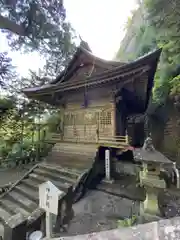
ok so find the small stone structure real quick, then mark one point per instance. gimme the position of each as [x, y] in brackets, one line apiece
[152, 164]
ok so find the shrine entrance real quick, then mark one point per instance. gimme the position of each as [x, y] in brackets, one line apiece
[87, 124]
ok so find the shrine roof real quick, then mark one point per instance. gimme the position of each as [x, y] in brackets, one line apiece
[114, 70]
[89, 57]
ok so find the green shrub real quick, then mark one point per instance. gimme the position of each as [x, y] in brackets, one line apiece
[127, 222]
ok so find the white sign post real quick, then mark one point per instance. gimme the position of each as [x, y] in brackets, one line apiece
[49, 196]
[107, 165]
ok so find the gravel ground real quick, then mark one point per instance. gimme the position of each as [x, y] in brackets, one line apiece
[100, 211]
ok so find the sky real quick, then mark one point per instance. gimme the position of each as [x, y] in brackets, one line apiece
[98, 22]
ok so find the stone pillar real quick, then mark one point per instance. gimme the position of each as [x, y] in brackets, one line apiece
[108, 166]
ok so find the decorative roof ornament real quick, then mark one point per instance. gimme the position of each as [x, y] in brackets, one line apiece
[148, 145]
[85, 45]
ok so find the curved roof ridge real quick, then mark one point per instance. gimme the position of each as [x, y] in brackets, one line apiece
[153, 56]
[89, 53]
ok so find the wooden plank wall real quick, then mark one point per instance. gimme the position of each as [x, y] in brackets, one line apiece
[88, 122]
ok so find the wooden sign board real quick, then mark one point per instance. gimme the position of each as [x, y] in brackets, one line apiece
[49, 196]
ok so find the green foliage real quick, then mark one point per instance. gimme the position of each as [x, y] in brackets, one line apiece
[7, 70]
[161, 29]
[145, 40]
[21, 138]
[5, 105]
[127, 222]
[37, 24]
[4, 150]
[175, 86]
[164, 18]
[31, 26]
[53, 122]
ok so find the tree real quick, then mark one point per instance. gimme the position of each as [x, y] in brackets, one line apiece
[36, 25]
[164, 17]
[5, 105]
[7, 70]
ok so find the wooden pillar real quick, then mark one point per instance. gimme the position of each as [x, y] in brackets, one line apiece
[113, 118]
[120, 122]
[121, 116]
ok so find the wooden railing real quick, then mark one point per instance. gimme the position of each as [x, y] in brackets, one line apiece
[114, 141]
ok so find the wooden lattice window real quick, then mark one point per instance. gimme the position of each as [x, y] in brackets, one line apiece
[105, 118]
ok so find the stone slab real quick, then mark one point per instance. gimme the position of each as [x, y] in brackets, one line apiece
[162, 230]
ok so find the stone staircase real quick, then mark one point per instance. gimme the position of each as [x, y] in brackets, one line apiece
[70, 167]
[72, 155]
[22, 198]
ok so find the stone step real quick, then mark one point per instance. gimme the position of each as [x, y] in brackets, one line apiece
[4, 215]
[13, 207]
[73, 165]
[61, 171]
[62, 159]
[69, 155]
[41, 179]
[54, 176]
[75, 148]
[23, 197]
[27, 192]
[22, 201]
[6, 207]
[31, 183]
[74, 161]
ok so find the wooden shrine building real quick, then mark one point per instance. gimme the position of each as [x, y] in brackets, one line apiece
[97, 95]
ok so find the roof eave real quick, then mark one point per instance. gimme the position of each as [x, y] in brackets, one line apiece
[151, 59]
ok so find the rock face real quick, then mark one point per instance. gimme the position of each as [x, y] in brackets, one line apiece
[128, 45]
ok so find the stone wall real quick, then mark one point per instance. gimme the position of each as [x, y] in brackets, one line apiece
[166, 137]
[171, 141]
